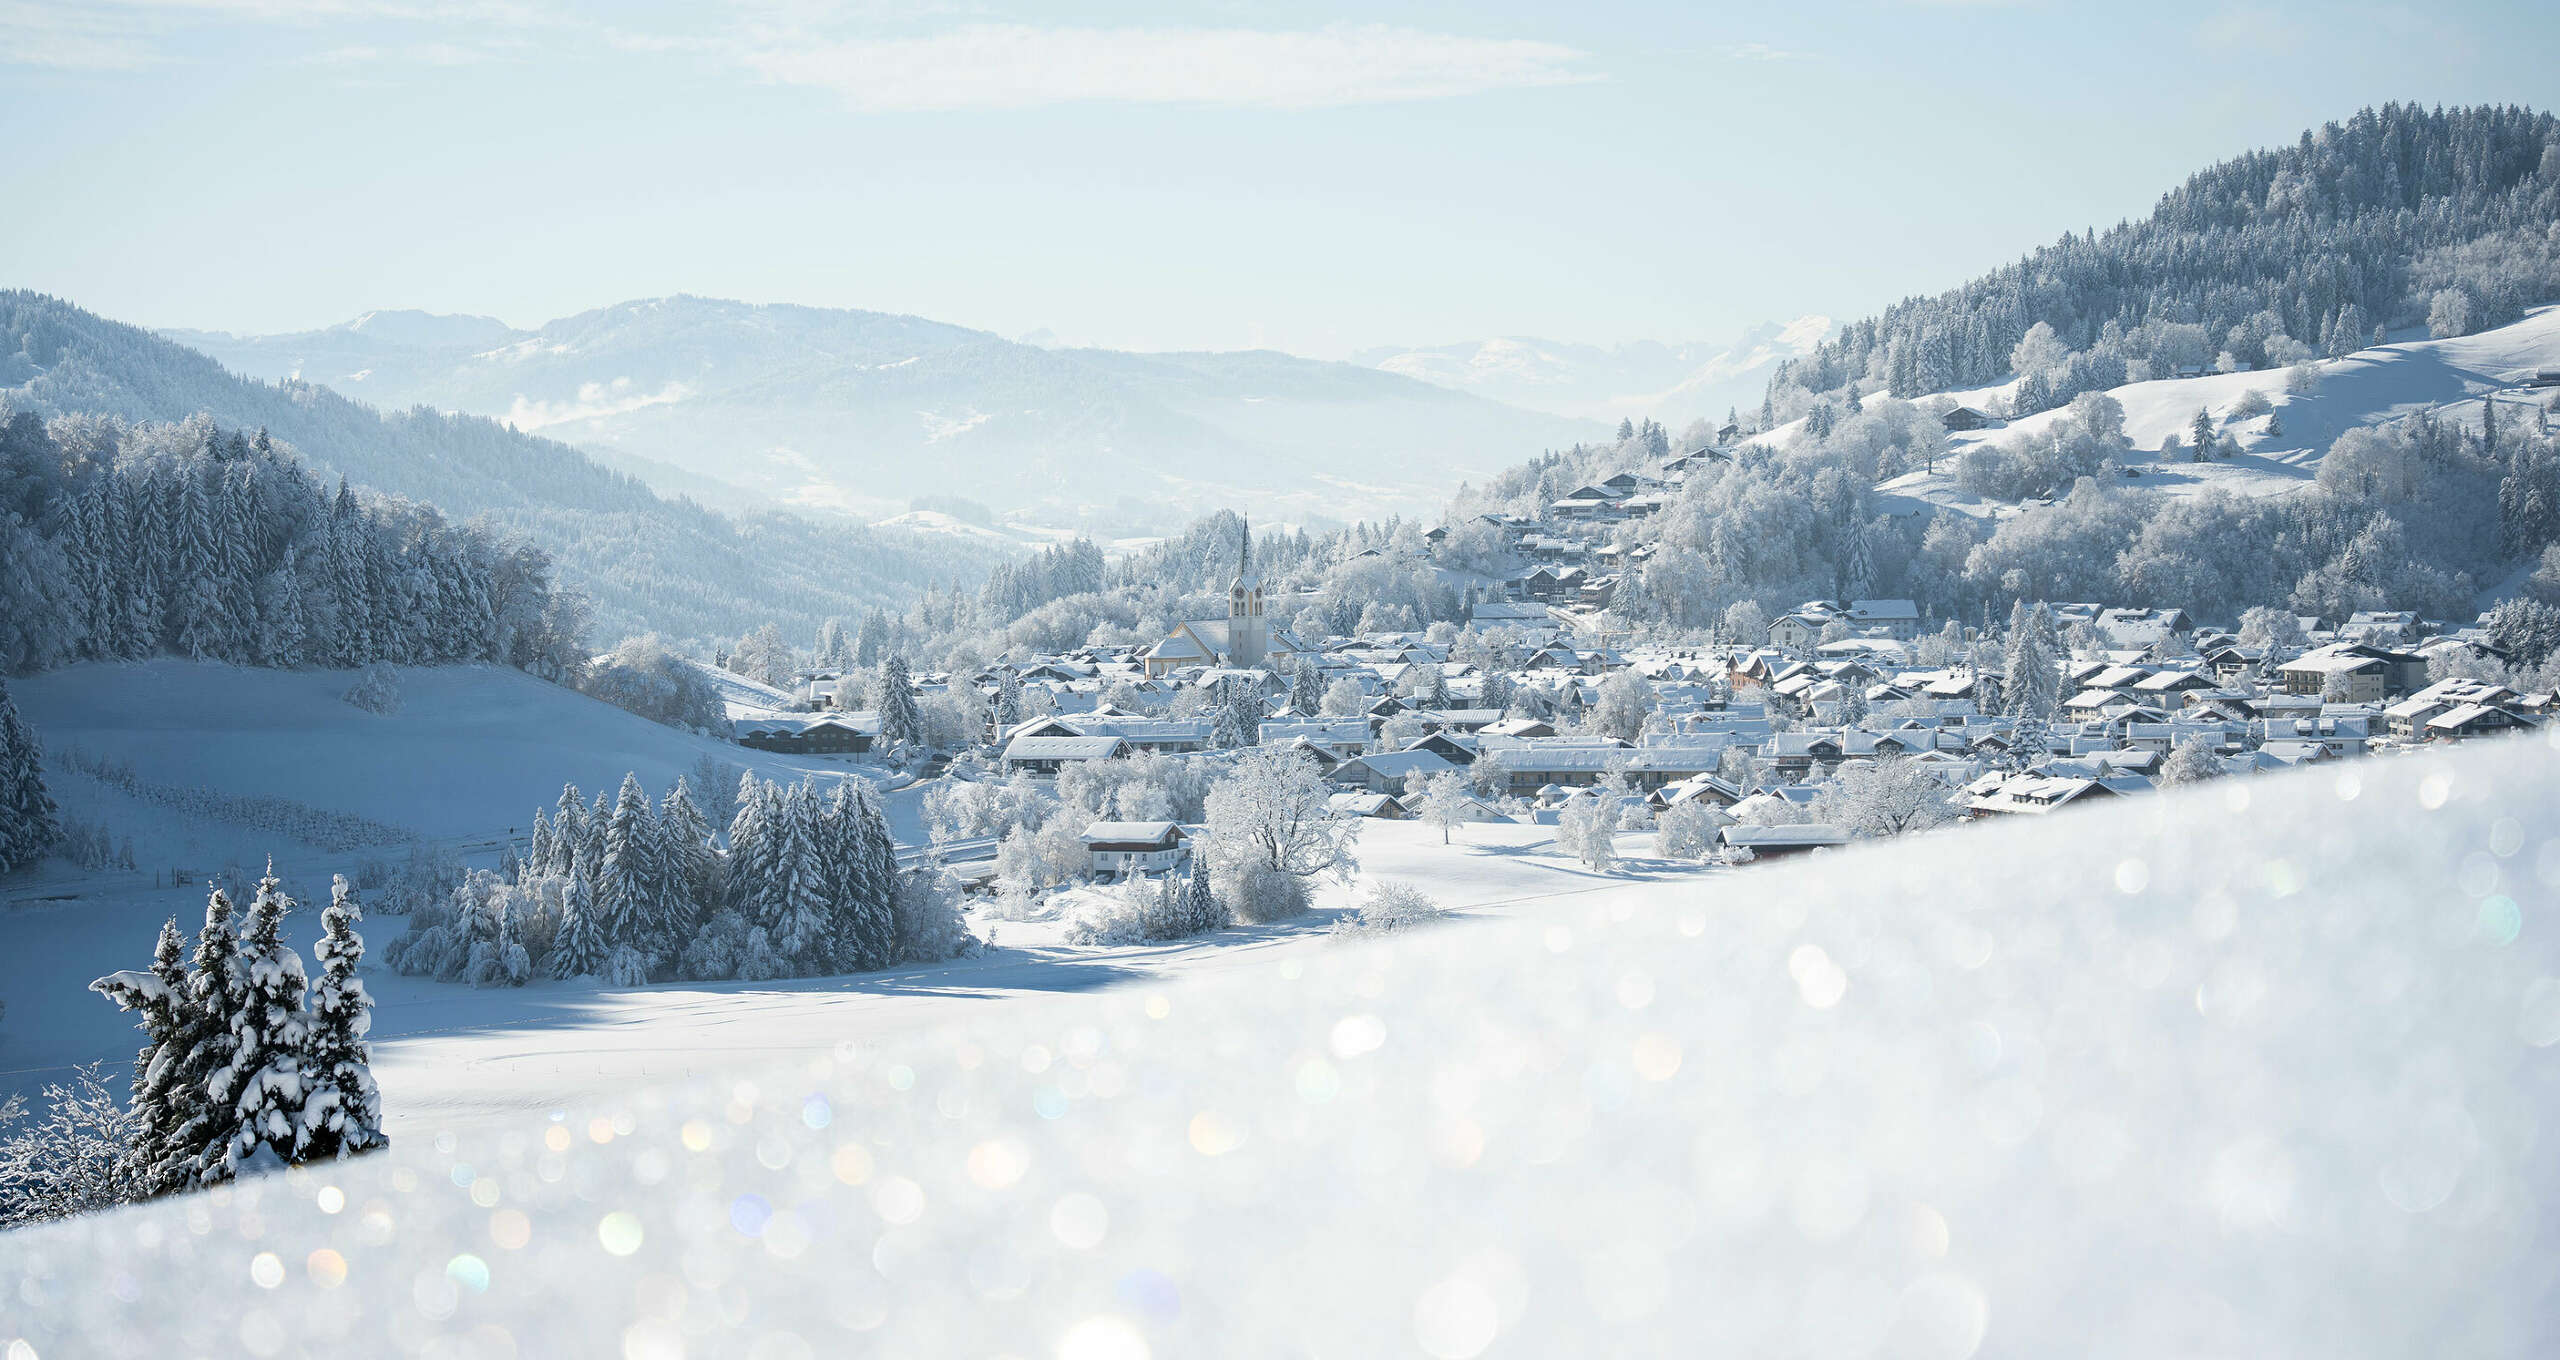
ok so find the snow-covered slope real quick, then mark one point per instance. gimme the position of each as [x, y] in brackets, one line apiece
[472, 751]
[2366, 388]
[2265, 1068]
[1671, 383]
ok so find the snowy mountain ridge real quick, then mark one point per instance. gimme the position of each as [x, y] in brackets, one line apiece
[861, 411]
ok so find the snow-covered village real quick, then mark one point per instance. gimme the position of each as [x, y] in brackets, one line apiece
[1177, 819]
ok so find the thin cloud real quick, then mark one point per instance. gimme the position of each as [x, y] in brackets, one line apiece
[1012, 66]
[124, 35]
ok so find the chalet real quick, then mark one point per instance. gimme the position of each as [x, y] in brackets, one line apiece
[1047, 755]
[2469, 720]
[1957, 418]
[1783, 842]
[1898, 619]
[2035, 794]
[1796, 632]
[1387, 771]
[1386, 807]
[826, 734]
[1135, 847]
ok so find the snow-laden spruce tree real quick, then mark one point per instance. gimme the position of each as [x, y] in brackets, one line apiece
[1306, 689]
[2031, 683]
[1201, 909]
[691, 860]
[162, 1105]
[341, 1107]
[901, 723]
[859, 867]
[568, 830]
[1008, 706]
[633, 873]
[2192, 761]
[578, 947]
[1238, 714]
[791, 904]
[1270, 827]
[202, 1052]
[29, 823]
[264, 1081]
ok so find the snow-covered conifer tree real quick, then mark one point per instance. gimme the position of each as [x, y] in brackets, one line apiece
[203, 1049]
[568, 830]
[1239, 715]
[901, 722]
[29, 824]
[1306, 689]
[792, 907]
[579, 947]
[686, 835]
[632, 874]
[341, 1108]
[264, 1082]
[860, 867]
[1201, 909]
[162, 1108]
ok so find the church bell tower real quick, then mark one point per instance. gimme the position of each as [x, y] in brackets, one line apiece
[1248, 637]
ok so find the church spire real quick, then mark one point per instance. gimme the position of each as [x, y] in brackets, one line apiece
[1244, 558]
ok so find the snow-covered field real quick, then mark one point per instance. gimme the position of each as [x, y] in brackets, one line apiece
[2265, 1069]
[2369, 387]
[471, 753]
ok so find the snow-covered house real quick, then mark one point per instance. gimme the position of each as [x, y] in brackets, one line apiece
[1135, 847]
[1047, 755]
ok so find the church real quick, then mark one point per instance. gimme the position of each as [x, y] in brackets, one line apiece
[1244, 639]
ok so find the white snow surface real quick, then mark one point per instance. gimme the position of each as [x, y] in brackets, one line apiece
[473, 751]
[2264, 1068]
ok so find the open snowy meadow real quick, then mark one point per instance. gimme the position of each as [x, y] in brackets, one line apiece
[2151, 1079]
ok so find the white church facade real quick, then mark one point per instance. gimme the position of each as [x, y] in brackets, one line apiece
[1243, 640]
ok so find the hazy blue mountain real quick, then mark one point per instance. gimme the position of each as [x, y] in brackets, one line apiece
[863, 410]
[1643, 379]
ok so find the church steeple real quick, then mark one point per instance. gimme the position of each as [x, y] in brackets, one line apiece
[1248, 638]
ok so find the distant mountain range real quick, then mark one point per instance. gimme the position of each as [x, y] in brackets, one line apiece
[648, 561]
[1674, 384]
[861, 411]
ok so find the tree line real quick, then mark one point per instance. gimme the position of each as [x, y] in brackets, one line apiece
[122, 543]
[629, 891]
[2398, 216]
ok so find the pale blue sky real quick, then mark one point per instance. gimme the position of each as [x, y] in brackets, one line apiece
[1310, 177]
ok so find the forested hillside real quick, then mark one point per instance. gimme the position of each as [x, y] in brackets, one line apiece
[2400, 216]
[646, 562]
